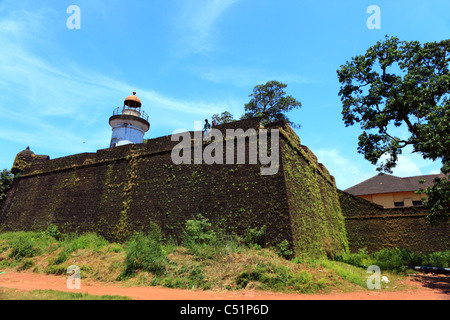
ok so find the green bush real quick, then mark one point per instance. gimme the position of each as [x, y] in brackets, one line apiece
[204, 242]
[56, 270]
[187, 277]
[23, 246]
[53, 232]
[144, 252]
[72, 242]
[199, 231]
[283, 249]
[27, 264]
[437, 259]
[280, 278]
[255, 237]
[155, 233]
[86, 241]
[396, 259]
[360, 259]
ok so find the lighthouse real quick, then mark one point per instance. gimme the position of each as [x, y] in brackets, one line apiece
[129, 123]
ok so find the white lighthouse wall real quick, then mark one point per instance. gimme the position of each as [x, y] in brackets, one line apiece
[126, 133]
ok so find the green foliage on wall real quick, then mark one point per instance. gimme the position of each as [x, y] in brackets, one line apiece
[316, 218]
[370, 226]
[118, 191]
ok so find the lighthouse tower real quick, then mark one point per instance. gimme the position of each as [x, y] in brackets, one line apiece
[129, 123]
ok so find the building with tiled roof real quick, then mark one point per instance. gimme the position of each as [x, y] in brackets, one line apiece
[393, 192]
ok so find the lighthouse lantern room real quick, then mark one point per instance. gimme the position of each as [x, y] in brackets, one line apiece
[129, 123]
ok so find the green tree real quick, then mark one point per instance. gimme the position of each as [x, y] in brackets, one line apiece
[224, 117]
[270, 102]
[6, 179]
[400, 83]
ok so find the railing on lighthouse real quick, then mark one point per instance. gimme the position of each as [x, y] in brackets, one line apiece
[132, 112]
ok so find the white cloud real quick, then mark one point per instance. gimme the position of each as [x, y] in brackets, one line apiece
[434, 171]
[195, 24]
[346, 171]
[246, 76]
[405, 167]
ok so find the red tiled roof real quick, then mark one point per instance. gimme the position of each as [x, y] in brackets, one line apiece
[385, 183]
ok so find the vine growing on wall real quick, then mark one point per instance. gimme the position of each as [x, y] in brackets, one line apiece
[123, 229]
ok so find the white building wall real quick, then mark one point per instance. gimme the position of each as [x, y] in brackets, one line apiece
[126, 132]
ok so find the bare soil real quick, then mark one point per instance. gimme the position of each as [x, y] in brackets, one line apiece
[420, 287]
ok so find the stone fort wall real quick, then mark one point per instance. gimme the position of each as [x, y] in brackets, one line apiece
[372, 227]
[117, 191]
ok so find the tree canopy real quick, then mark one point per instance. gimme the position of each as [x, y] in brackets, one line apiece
[402, 84]
[271, 103]
[224, 117]
[6, 179]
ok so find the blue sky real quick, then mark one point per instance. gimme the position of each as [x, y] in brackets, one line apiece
[189, 59]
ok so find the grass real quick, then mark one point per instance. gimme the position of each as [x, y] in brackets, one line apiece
[396, 259]
[41, 253]
[144, 252]
[12, 294]
[206, 259]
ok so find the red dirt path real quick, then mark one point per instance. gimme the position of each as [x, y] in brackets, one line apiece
[427, 287]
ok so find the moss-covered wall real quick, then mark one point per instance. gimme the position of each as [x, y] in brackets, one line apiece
[119, 190]
[372, 227]
[317, 222]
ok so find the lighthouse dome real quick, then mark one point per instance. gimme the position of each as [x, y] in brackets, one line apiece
[132, 101]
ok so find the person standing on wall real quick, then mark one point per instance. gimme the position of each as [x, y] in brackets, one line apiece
[206, 129]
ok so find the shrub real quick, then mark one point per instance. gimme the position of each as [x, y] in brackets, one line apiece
[27, 264]
[154, 232]
[283, 249]
[23, 246]
[56, 270]
[437, 259]
[273, 277]
[203, 242]
[73, 242]
[53, 232]
[389, 259]
[360, 259]
[199, 231]
[144, 252]
[396, 259]
[187, 277]
[87, 241]
[115, 247]
[255, 237]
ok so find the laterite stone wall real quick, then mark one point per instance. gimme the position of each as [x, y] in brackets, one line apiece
[317, 223]
[372, 227]
[117, 191]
